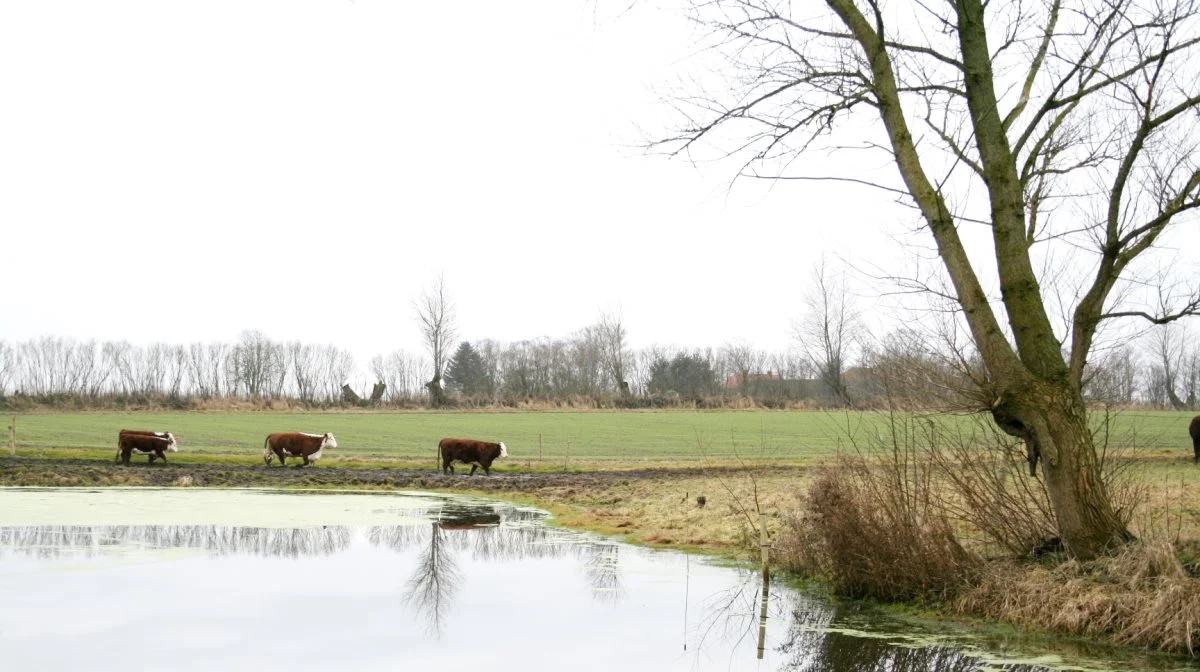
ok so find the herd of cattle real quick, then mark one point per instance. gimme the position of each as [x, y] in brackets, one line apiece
[309, 447]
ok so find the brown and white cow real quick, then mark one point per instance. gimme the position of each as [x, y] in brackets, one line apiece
[154, 444]
[469, 451]
[296, 444]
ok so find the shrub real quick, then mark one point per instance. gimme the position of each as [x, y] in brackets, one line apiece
[873, 529]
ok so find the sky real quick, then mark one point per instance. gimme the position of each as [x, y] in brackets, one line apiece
[181, 172]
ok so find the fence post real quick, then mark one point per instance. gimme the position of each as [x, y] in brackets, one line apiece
[12, 438]
[766, 582]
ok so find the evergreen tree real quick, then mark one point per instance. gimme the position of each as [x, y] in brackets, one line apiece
[466, 373]
[690, 376]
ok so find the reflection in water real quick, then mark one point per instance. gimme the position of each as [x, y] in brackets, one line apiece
[489, 532]
[762, 614]
[450, 545]
[839, 652]
[51, 541]
[433, 583]
[814, 643]
[817, 641]
[498, 533]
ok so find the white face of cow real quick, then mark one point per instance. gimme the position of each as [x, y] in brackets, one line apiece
[329, 441]
[503, 450]
[172, 447]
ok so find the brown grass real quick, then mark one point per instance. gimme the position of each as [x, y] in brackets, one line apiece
[1142, 597]
[875, 536]
[663, 511]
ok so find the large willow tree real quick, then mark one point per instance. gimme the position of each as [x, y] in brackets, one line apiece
[1068, 122]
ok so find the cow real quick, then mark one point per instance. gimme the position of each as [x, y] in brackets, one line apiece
[468, 451]
[1194, 430]
[154, 444]
[296, 444]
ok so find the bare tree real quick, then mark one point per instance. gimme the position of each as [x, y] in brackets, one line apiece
[490, 353]
[258, 363]
[302, 360]
[1176, 366]
[435, 317]
[1112, 377]
[8, 367]
[176, 369]
[614, 349]
[744, 363]
[1076, 118]
[400, 372]
[335, 367]
[197, 367]
[829, 330]
[154, 372]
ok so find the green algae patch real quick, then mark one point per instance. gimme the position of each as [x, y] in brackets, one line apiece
[201, 506]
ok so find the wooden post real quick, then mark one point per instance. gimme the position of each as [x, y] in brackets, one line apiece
[567, 461]
[766, 583]
[12, 437]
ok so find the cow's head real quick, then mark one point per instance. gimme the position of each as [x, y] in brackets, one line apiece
[503, 450]
[328, 441]
[172, 446]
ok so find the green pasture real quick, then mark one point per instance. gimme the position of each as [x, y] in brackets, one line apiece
[676, 435]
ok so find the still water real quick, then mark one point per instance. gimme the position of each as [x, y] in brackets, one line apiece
[258, 580]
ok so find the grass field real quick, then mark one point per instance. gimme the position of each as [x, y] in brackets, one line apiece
[538, 437]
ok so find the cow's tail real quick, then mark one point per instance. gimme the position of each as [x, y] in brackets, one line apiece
[267, 451]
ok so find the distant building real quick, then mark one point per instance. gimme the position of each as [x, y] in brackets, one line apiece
[735, 381]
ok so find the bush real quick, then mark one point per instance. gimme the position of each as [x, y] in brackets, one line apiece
[872, 528]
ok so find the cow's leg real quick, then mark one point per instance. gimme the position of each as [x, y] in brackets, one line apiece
[306, 461]
[1196, 450]
[151, 458]
[486, 470]
[162, 456]
[474, 466]
[125, 454]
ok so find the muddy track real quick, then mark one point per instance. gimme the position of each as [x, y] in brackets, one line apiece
[79, 472]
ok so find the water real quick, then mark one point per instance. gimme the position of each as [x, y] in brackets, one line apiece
[258, 580]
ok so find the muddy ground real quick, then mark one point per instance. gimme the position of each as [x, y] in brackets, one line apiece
[85, 472]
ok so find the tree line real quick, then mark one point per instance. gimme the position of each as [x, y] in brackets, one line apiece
[594, 366]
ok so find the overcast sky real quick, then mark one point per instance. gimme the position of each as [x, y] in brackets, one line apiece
[183, 171]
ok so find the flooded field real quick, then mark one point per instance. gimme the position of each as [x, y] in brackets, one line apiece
[242, 579]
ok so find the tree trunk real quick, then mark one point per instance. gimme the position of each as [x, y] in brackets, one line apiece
[1052, 420]
[437, 396]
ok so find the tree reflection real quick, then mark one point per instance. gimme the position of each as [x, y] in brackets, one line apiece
[51, 541]
[434, 581]
[490, 533]
[602, 567]
[738, 614]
